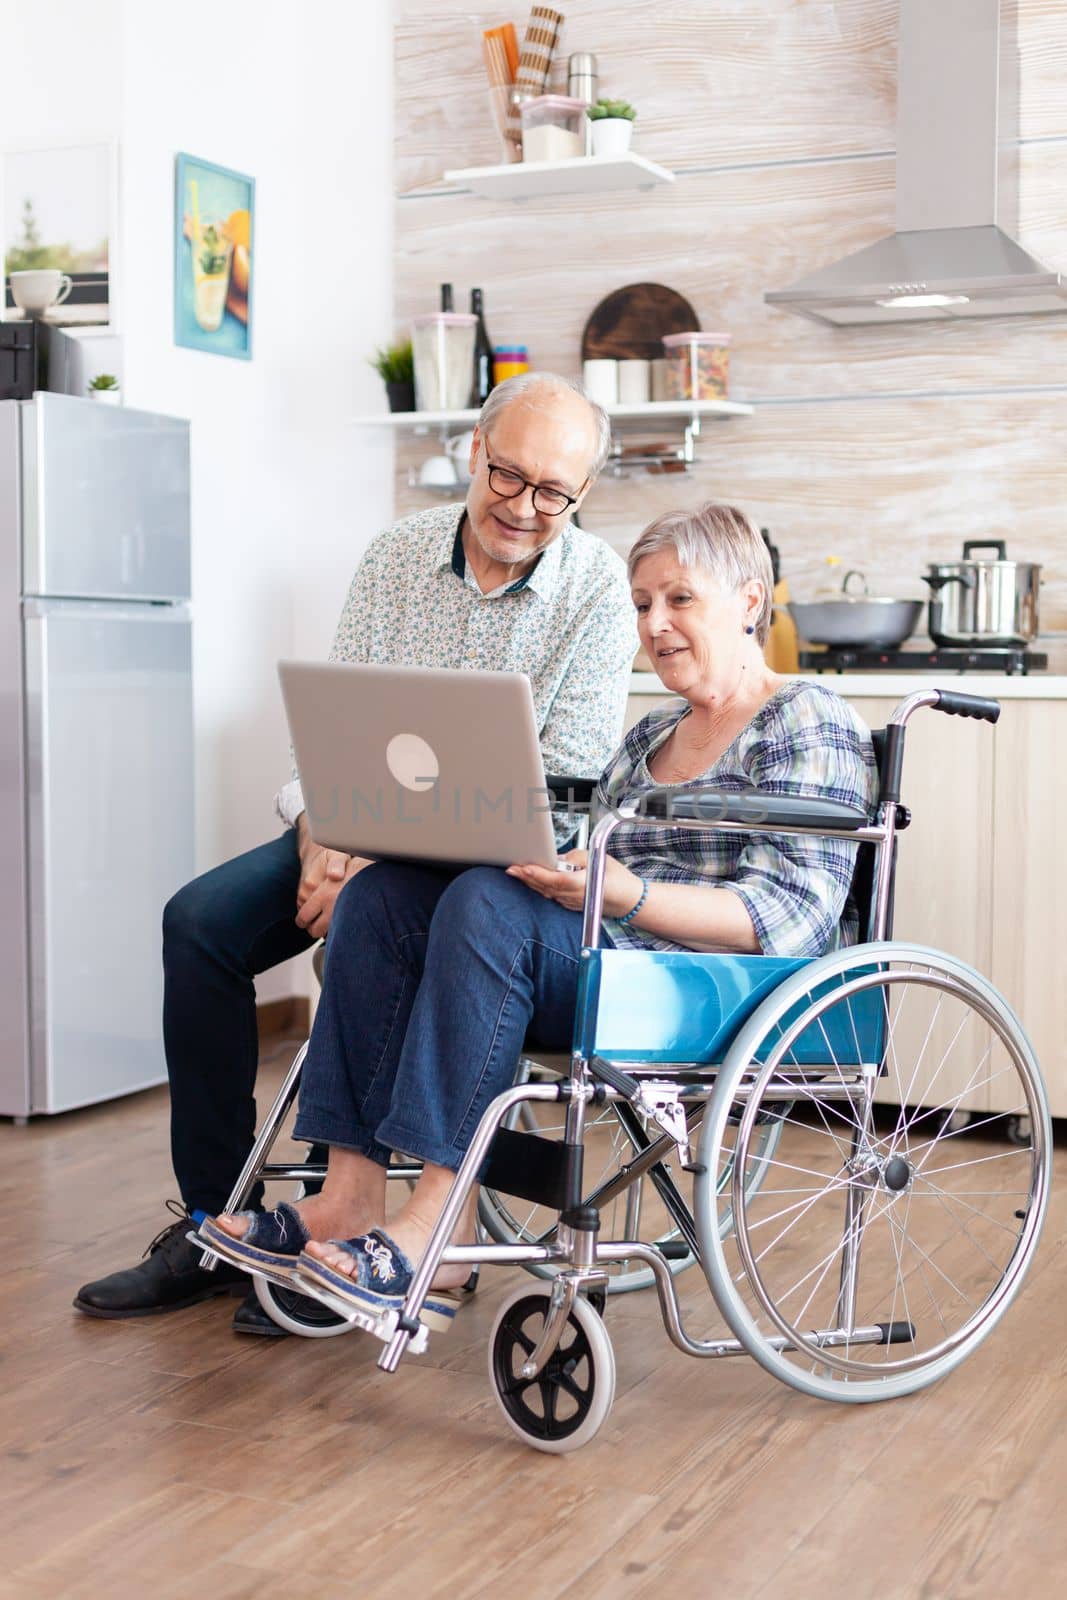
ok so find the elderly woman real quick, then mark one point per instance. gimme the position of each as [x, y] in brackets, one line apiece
[433, 978]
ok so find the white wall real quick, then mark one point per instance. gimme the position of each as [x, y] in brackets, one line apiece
[286, 493]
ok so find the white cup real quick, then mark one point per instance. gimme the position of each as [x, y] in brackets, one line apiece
[459, 451]
[600, 380]
[437, 472]
[34, 292]
[633, 382]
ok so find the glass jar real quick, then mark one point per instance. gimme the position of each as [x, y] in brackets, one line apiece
[553, 128]
[698, 365]
[444, 360]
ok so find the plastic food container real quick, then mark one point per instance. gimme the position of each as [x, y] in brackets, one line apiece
[444, 360]
[698, 365]
[553, 128]
[509, 360]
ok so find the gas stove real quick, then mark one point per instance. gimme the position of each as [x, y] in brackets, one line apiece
[1017, 661]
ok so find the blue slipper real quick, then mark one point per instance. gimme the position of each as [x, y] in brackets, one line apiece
[270, 1246]
[381, 1281]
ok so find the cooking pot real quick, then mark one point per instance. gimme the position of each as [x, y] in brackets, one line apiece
[988, 602]
[871, 621]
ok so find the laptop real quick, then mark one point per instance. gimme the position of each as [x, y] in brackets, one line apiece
[420, 763]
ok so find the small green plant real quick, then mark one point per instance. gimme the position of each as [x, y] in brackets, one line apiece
[104, 380]
[395, 363]
[612, 108]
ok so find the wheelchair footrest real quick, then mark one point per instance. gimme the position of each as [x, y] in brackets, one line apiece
[897, 1332]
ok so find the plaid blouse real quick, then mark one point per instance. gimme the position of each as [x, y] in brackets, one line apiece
[804, 741]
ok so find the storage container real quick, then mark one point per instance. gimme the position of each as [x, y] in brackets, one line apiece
[444, 360]
[698, 365]
[553, 128]
[509, 361]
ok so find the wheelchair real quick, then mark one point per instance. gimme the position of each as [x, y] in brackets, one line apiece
[855, 1149]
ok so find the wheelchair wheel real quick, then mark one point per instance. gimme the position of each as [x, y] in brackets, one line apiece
[885, 1240]
[636, 1211]
[564, 1406]
[299, 1313]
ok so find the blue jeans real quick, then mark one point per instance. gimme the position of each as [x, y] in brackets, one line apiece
[219, 932]
[432, 980]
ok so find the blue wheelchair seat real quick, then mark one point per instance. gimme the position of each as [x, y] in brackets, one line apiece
[681, 1006]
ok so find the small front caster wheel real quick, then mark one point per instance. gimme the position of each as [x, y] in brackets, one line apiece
[299, 1313]
[564, 1406]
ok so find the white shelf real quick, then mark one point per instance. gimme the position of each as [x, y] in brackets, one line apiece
[651, 410]
[526, 180]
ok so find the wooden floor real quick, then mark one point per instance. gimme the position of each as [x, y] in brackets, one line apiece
[168, 1457]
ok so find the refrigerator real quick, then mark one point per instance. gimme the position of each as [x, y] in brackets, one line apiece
[96, 743]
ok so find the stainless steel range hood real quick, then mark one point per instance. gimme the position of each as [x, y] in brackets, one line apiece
[953, 255]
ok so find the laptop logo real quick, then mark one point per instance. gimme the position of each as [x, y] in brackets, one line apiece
[412, 762]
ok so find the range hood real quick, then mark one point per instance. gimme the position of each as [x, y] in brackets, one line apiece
[953, 255]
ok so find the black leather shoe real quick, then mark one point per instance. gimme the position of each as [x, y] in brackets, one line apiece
[250, 1317]
[168, 1278]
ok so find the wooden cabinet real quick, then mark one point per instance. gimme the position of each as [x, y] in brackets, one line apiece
[980, 872]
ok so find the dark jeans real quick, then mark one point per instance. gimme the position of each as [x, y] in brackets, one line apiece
[432, 979]
[219, 932]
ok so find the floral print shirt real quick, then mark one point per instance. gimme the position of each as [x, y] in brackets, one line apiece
[569, 625]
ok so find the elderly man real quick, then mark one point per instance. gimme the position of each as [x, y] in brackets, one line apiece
[505, 582]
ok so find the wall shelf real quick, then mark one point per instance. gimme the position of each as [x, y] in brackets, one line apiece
[528, 180]
[690, 411]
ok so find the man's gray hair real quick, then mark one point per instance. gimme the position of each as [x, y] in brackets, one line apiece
[535, 390]
[721, 540]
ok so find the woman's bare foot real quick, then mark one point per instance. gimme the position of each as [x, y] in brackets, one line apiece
[322, 1216]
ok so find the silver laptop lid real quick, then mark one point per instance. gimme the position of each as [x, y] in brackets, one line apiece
[419, 763]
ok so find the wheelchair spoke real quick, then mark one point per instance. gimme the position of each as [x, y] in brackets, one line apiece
[865, 1218]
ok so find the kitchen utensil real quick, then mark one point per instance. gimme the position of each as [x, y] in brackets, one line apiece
[600, 380]
[631, 322]
[535, 58]
[458, 450]
[634, 382]
[438, 472]
[503, 42]
[984, 602]
[500, 54]
[856, 619]
[553, 128]
[698, 365]
[444, 360]
[34, 292]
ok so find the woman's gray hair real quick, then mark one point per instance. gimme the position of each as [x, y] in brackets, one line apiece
[721, 540]
[529, 387]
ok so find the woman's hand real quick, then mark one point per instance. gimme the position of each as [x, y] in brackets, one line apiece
[622, 888]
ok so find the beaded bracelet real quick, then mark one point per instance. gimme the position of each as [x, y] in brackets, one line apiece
[631, 914]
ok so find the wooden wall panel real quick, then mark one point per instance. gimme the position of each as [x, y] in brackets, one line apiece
[887, 446]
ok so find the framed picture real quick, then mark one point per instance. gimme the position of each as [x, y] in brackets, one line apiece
[58, 222]
[214, 221]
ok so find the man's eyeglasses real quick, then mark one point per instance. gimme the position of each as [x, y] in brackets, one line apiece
[509, 485]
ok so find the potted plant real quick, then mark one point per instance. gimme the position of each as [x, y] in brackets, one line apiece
[105, 387]
[613, 126]
[395, 365]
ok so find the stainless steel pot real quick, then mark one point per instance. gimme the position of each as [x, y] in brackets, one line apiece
[988, 602]
[856, 619]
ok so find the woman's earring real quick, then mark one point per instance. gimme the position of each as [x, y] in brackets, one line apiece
[750, 629]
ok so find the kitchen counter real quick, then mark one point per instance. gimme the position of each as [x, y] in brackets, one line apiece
[895, 685]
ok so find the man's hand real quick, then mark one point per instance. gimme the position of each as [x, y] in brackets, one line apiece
[323, 874]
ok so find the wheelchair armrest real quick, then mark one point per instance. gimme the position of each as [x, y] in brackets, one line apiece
[748, 808]
[575, 791]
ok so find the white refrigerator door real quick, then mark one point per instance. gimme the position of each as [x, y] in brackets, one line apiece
[109, 738]
[105, 501]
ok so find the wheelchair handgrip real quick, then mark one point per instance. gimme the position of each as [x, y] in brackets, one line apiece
[749, 807]
[967, 705]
